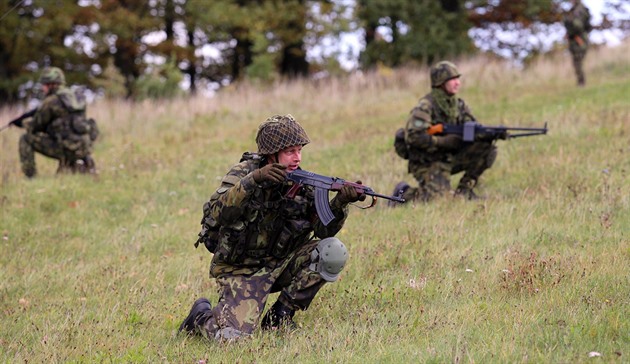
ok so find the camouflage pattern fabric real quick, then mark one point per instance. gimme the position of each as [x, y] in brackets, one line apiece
[433, 172]
[52, 75]
[442, 72]
[265, 242]
[41, 143]
[577, 24]
[52, 132]
[243, 296]
[432, 166]
[279, 132]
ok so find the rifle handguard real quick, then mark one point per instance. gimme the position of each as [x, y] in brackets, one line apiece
[324, 184]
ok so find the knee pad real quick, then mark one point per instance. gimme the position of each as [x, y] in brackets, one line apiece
[328, 258]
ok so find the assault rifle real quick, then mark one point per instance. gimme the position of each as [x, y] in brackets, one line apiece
[322, 185]
[470, 129]
[18, 121]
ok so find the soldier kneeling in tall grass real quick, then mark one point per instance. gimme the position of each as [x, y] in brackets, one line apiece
[264, 242]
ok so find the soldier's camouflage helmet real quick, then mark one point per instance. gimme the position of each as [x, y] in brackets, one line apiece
[442, 72]
[52, 75]
[279, 132]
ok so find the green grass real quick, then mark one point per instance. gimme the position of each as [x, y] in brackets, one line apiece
[104, 270]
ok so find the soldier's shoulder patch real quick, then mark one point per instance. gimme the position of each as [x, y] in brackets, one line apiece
[420, 117]
[420, 124]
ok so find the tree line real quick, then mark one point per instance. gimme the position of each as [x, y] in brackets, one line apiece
[145, 48]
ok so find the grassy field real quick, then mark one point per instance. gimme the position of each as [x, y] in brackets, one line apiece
[104, 269]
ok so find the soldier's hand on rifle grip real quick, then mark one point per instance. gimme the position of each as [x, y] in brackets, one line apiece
[274, 173]
[348, 194]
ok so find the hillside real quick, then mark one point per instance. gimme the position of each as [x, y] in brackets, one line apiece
[104, 269]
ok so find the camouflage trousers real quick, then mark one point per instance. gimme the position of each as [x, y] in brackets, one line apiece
[434, 170]
[578, 53]
[243, 295]
[66, 153]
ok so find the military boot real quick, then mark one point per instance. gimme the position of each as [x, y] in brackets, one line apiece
[199, 314]
[465, 188]
[467, 193]
[90, 166]
[65, 167]
[277, 317]
[79, 166]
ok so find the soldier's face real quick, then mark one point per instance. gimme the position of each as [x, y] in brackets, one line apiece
[452, 86]
[290, 157]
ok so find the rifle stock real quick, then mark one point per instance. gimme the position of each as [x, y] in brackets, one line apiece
[322, 186]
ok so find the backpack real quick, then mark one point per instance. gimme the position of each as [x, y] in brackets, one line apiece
[399, 144]
[209, 234]
[73, 101]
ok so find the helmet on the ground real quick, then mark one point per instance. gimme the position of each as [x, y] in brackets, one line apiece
[52, 75]
[442, 72]
[279, 132]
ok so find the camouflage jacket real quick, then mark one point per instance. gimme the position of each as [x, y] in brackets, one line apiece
[258, 225]
[62, 116]
[578, 22]
[425, 114]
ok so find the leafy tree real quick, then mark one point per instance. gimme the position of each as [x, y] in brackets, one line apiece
[35, 34]
[123, 23]
[403, 31]
[111, 82]
[525, 20]
[161, 83]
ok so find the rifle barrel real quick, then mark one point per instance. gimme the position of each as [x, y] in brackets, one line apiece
[387, 197]
[528, 134]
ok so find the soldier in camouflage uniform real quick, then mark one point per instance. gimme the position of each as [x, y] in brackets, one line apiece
[58, 129]
[578, 24]
[433, 159]
[264, 242]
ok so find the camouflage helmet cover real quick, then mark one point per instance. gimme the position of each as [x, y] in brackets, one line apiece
[52, 75]
[442, 72]
[279, 132]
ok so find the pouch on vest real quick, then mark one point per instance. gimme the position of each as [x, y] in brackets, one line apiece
[399, 144]
[74, 102]
[94, 131]
[293, 234]
[209, 234]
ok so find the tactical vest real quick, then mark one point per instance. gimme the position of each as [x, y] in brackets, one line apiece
[270, 224]
[73, 124]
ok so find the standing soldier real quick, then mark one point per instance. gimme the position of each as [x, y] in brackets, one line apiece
[578, 23]
[58, 129]
[432, 158]
[264, 242]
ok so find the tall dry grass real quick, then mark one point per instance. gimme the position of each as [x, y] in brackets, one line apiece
[103, 269]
